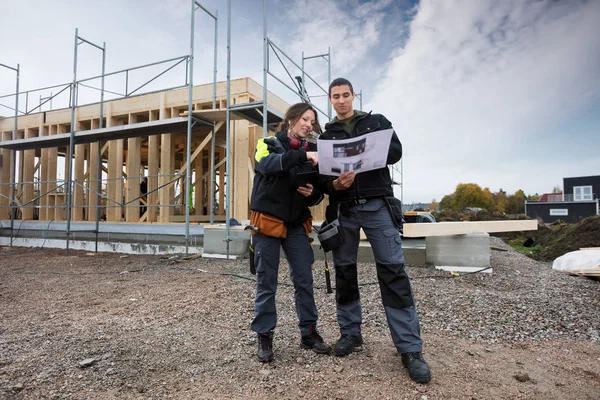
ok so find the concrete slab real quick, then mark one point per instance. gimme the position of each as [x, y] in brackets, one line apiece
[414, 252]
[471, 250]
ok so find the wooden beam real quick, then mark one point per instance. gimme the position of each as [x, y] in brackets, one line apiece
[240, 208]
[78, 181]
[201, 147]
[206, 175]
[461, 228]
[43, 172]
[153, 162]
[28, 175]
[52, 174]
[199, 185]
[132, 210]
[167, 167]
[5, 176]
[221, 182]
[92, 175]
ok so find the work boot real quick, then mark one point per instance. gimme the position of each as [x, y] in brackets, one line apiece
[418, 370]
[346, 344]
[265, 347]
[315, 342]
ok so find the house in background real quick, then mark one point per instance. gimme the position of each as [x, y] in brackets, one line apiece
[578, 200]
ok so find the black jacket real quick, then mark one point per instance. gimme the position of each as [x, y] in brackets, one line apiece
[274, 191]
[375, 183]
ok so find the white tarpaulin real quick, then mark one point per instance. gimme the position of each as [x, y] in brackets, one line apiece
[577, 260]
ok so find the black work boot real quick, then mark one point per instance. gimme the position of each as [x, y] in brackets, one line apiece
[265, 347]
[315, 342]
[418, 370]
[346, 344]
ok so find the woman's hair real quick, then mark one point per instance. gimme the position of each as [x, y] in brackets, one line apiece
[293, 114]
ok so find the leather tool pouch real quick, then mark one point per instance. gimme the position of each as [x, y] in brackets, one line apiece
[395, 207]
[307, 226]
[268, 225]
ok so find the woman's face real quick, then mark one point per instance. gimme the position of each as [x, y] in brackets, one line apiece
[304, 125]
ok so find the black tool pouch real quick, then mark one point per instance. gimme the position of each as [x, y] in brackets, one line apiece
[395, 207]
[330, 234]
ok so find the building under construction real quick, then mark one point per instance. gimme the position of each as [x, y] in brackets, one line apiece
[152, 167]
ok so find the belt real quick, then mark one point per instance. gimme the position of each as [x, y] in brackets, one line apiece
[353, 202]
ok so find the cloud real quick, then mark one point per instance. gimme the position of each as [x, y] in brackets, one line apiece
[479, 82]
[350, 28]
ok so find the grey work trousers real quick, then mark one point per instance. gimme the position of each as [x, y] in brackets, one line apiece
[300, 258]
[397, 297]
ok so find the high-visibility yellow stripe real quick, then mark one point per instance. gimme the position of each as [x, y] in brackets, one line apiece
[262, 150]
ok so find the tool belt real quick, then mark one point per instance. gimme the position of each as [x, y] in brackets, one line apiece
[268, 225]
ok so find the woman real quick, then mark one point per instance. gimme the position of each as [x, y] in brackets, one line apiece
[281, 195]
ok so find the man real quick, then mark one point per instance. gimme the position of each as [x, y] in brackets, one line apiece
[359, 201]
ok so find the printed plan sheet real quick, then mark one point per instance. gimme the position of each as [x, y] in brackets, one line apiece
[362, 153]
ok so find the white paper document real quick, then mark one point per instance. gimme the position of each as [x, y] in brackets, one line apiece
[363, 153]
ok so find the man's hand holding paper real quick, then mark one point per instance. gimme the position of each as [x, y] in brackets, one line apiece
[358, 154]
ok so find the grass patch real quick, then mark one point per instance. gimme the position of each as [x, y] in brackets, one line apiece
[532, 252]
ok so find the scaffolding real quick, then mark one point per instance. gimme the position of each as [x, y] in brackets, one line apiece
[257, 112]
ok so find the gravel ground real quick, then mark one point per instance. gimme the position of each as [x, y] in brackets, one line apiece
[148, 327]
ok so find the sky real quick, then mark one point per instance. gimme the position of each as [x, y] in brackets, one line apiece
[504, 94]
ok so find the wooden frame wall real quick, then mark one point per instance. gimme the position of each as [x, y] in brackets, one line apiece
[157, 156]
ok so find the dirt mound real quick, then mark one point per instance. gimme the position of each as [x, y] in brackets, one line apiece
[554, 241]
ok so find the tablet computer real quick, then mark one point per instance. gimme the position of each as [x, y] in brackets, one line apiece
[302, 178]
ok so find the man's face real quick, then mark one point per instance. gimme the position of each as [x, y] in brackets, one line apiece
[341, 99]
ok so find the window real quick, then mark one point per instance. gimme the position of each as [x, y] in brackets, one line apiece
[581, 193]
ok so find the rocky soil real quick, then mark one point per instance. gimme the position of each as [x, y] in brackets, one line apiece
[148, 327]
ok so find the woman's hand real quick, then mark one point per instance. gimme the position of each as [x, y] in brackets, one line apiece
[305, 190]
[313, 157]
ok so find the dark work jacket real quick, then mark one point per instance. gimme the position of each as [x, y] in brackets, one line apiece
[274, 190]
[375, 183]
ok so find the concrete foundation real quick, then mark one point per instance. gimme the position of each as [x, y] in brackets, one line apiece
[215, 244]
[414, 252]
[472, 250]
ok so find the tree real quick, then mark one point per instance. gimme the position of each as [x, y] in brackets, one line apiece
[516, 202]
[434, 205]
[500, 201]
[471, 195]
[488, 198]
[448, 202]
[556, 189]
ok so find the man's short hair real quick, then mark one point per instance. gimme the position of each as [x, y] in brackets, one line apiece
[340, 82]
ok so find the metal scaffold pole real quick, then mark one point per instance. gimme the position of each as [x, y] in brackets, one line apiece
[73, 104]
[12, 207]
[265, 66]
[71, 140]
[228, 123]
[188, 155]
[329, 81]
[99, 154]
[195, 6]
[214, 133]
